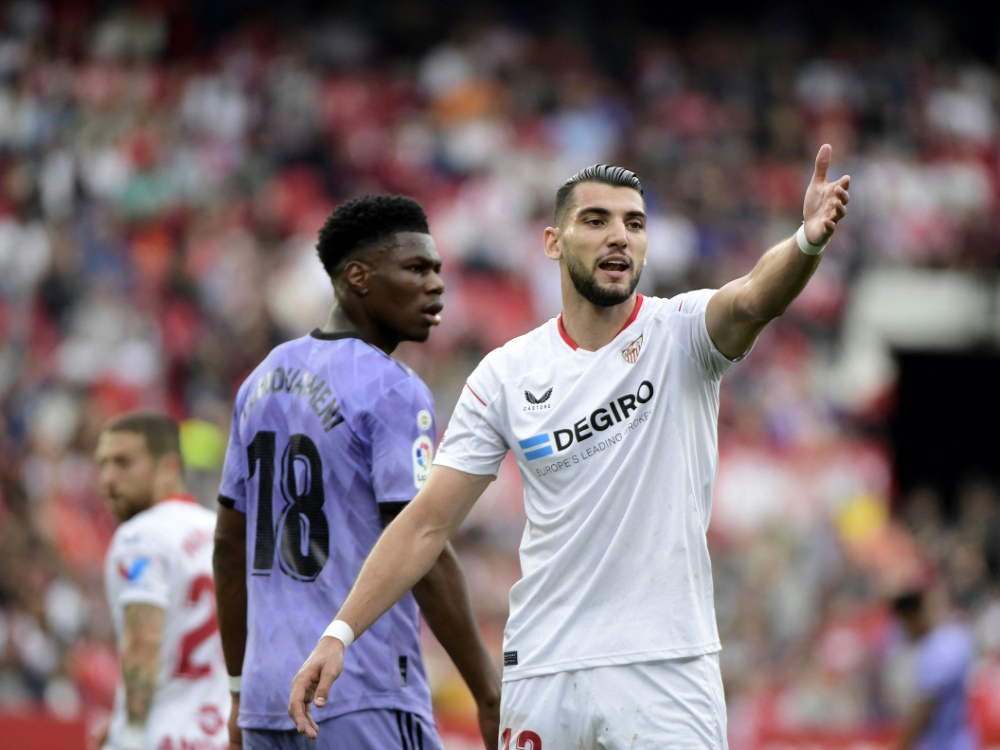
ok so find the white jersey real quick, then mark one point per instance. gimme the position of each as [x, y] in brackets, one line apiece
[618, 451]
[163, 556]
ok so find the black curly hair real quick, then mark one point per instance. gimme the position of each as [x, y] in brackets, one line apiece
[606, 173]
[363, 221]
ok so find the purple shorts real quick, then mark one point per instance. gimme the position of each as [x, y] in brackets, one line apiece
[374, 729]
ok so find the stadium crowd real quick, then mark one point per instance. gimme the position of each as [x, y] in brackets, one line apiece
[164, 170]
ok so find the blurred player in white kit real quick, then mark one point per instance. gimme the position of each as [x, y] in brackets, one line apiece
[173, 691]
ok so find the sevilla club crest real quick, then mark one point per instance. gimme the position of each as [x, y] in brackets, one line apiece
[631, 352]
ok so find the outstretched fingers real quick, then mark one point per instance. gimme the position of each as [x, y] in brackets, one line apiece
[823, 158]
[840, 197]
[825, 202]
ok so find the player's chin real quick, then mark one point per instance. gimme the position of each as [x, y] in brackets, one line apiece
[419, 334]
[621, 288]
[614, 294]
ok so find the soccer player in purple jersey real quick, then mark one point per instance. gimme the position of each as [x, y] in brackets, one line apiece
[330, 439]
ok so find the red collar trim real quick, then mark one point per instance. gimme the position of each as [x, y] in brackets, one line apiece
[631, 319]
[634, 315]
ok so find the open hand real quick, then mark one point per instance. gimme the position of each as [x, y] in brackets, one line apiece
[825, 202]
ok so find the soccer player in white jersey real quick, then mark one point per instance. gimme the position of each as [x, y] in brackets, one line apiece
[611, 410]
[172, 692]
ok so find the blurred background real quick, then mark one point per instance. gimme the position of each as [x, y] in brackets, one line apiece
[165, 167]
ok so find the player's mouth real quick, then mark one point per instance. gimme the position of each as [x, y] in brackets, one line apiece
[432, 313]
[616, 267]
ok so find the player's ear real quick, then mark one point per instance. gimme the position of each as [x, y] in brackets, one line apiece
[170, 467]
[551, 241]
[357, 276]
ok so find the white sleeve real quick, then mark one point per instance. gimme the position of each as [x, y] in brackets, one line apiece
[691, 331]
[142, 570]
[473, 441]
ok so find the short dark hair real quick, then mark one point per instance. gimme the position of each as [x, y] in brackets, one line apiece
[606, 173]
[161, 431]
[364, 221]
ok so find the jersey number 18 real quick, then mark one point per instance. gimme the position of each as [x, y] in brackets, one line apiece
[301, 525]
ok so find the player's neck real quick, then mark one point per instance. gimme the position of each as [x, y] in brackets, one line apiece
[591, 326]
[169, 489]
[340, 321]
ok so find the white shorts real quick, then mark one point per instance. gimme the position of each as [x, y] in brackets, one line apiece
[674, 704]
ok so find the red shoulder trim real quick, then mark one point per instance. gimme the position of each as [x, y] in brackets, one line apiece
[475, 394]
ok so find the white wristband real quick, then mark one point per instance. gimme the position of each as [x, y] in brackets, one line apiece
[340, 630]
[235, 683]
[804, 244]
[132, 737]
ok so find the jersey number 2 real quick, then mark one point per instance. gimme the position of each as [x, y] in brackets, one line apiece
[201, 588]
[526, 740]
[301, 525]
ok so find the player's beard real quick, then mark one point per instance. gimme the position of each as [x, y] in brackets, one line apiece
[586, 284]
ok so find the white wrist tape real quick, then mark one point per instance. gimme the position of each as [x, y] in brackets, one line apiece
[804, 244]
[340, 630]
[132, 737]
[235, 683]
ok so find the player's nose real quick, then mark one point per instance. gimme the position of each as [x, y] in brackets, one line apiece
[617, 234]
[435, 283]
[106, 479]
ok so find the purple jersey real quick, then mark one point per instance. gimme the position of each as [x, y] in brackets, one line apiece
[327, 433]
[944, 660]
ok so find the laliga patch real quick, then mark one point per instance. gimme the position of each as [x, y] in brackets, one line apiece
[422, 455]
[631, 352]
[134, 570]
[424, 419]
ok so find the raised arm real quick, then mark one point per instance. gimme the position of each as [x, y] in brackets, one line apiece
[140, 662]
[738, 312]
[229, 561]
[403, 555]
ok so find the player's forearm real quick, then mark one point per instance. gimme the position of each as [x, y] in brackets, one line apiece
[140, 687]
[229, 562]
[778, 278]
[140, 659]
[444, 600]
[411, 544]
[738, 312]
[401, 557]
[915, 724]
